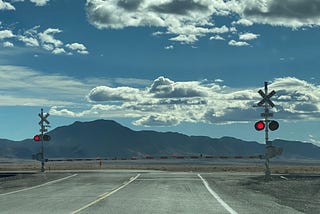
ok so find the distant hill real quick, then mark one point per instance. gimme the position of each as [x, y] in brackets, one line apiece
[106, 138]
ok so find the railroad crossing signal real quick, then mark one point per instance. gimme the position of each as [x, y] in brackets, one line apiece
[43, 118]
[41, 137]
[266, 98]
[267, 125]
[260, 125]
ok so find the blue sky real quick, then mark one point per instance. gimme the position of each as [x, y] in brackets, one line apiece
[192, 66]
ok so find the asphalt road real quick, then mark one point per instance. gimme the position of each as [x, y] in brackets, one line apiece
[136, 192]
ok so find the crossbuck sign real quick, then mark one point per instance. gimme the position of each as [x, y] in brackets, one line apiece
[266, 98]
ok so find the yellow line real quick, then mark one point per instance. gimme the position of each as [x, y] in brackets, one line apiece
[105, 195]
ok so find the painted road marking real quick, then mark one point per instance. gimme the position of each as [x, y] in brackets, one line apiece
[105, 195]
[168, 179]
[41, 185]
[214, 194]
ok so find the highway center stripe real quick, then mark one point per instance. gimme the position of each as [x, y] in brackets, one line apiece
[105, 195]
[41, 185]
[214, 194]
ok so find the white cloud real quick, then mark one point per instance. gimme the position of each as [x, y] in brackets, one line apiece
[40, 2]
[158, 33]
[157, 120]
[216, 37]
[46, 40]
[185, 38]
[237, 43]
[286, 13]
[80, 48]
[186, 19]
[167, 103]
[248, 36]
[169, 47]
[6, 34]
[6, 5]
[189, 20]
[244, 22]
[7, 44]
[29, 41]
[47, 37]
[58, 51]
[105, 93]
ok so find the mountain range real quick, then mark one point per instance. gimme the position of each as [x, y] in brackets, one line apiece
[107, 138]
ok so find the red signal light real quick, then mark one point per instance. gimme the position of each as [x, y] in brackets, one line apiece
[259, 125]
[36, 138]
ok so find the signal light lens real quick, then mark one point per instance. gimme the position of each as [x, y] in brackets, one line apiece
[273, 125]
[259, 125]
[36, 138]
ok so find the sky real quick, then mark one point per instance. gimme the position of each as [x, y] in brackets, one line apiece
[188, 66]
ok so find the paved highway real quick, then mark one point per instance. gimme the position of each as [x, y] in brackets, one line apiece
[136, 192]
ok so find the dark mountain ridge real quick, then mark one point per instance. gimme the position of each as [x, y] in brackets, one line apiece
[107, 138]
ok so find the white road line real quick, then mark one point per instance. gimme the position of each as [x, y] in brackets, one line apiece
[105, 195]
[168, 179]
[41, 185]
[224, 204]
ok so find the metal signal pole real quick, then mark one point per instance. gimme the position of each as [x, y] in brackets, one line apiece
[266, 103]
[42, 149]
[43, 130]
[266, 114]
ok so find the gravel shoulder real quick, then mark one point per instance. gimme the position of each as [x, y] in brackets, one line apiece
[301, 192]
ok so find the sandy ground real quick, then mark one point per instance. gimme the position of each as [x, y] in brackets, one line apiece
[301, 192]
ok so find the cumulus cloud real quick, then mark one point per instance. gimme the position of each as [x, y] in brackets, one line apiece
[286, 13]
[169, 47]
[216, 37]
[189, 20]
[40, 2]
[6, 6]
[29, 41]
[164, 87]
[80, 48]
[45, 39]
[6, 34]
[58, 51]
[244, 22]
[105, 93]
[237, 43]
[248, 36]
[166, 102]
[186, 19]
[7, 44]
[157, 120]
